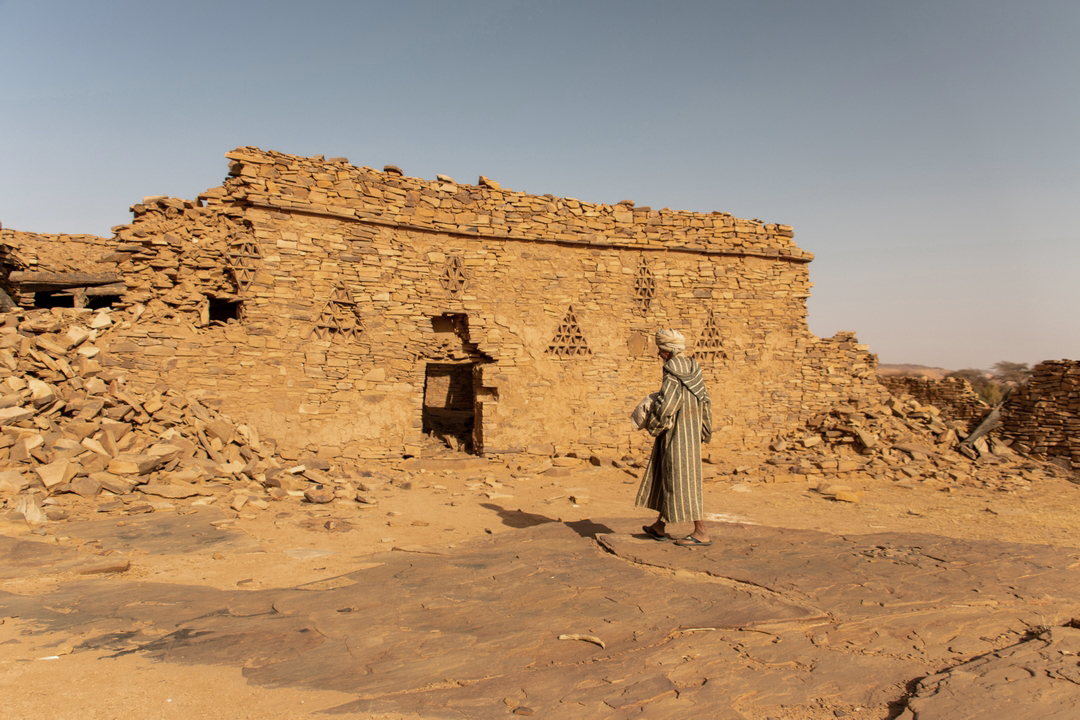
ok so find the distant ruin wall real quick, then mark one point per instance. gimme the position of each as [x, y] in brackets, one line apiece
[1042, 418]
[953, 396]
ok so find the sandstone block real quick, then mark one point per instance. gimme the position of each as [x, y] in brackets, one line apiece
[319, 494]
[113, 483]
[170, 490]
[12, 482]
[56, 473]
[85, 487]
[126, 464]
[14, 415]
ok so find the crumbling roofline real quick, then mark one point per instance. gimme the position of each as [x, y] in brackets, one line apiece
[330, 213]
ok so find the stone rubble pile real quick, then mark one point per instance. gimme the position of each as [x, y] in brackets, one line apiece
[69, 425]
[901, 440]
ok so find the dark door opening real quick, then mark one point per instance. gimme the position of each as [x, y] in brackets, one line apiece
[450, 404]
[53, 300]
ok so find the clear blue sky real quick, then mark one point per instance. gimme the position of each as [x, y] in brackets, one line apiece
[927, 151]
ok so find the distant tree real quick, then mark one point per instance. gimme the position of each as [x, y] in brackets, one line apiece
[984, 385]
[1011, 374]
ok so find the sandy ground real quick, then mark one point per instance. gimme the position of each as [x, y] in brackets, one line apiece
[40, 676]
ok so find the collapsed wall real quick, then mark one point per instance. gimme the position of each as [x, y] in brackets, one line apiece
[349, 311]
[44, 270]
[1042, 417]
[955, 397]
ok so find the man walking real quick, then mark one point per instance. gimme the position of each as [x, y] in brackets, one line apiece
[681, 420]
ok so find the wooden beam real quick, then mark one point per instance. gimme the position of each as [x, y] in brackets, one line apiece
[96, 290]
[35, 281]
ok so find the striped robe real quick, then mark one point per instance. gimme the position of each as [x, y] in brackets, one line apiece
[672, 484]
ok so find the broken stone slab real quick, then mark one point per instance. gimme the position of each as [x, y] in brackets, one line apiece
[125, 464]
[31, 511]
[85, 487]
[14, 415]
[41, 393]
[104, 567]
[166, 452]
[916, 450]
[1036, 678]
[56, 473]
[12, 482]
[113, 483]
[172, 491]
[319, 494]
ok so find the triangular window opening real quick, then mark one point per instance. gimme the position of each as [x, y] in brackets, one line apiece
[243, 259]
[644, 287]
[569, 340]
[339, 318]
[710, 346]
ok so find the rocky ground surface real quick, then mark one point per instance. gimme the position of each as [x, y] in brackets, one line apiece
[466, 588]
[159, 559]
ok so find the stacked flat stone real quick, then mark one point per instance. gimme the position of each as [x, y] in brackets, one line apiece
[1042, 418]
[337, 188]
[955, 397]
[69, 423]
[315, 229]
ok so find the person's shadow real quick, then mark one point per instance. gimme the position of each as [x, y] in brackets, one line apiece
[521, 519]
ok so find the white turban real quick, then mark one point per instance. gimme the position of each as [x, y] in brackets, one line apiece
[670, 340]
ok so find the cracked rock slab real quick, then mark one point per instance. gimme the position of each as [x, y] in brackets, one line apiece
[764, 618]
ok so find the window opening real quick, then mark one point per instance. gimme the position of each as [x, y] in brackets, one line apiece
[100, 302]
[339, 317]
[222, 311]
[454, 279]
[644, 287]
[243, 259]
[710, 346]
[569, 340]
[51, 300]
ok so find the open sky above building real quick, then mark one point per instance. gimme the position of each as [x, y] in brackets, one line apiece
[926, 152]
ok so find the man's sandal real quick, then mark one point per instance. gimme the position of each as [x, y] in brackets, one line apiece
[654, 534]
[691, 541]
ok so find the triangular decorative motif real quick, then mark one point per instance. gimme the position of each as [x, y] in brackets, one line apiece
[453, 279]
[644, 287]
[243, 259]
[710, 346]
[569, 340]
[339, 318]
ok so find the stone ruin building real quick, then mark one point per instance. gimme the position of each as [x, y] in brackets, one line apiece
[354, 312]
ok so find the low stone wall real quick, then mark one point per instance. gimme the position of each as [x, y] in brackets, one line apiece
[1042, 418]
[953, 396]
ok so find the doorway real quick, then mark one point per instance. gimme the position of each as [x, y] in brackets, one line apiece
[449, 411]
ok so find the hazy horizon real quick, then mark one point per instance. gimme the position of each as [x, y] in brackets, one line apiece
[925, 152]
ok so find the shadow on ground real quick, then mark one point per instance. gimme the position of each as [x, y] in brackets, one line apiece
[589, 619]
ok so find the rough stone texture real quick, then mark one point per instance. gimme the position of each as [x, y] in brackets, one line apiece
[766, 622]
[1042, 417]
[954, 397]
[900, 439]
[29, 251]
[1038, 678]
[304, 290]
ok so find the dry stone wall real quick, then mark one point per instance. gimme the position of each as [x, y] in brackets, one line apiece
[1042, 418]
[317, 300]
[28, 254]
[953, 396]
